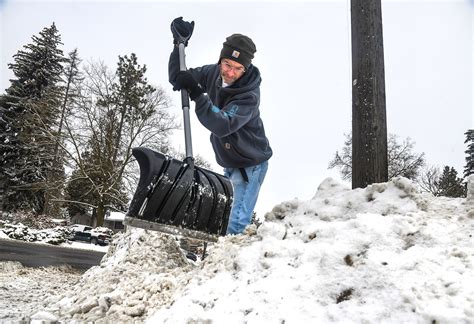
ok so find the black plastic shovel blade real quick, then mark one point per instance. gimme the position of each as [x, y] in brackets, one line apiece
[175, 197]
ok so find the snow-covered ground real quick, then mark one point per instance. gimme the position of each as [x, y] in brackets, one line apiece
[22, 289]
[383, 254]
[19, 231]
[85, 246]
[55, 236]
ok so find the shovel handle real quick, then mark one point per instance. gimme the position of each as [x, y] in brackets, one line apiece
[185, 105]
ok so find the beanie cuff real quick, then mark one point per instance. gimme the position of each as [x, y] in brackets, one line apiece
[235, 55]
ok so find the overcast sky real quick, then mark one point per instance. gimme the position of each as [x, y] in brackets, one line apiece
[303, 53]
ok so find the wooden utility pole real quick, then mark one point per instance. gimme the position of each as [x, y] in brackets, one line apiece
[369, 124]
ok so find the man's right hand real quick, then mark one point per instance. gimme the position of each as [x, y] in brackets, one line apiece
[185, 80]
[182, 30]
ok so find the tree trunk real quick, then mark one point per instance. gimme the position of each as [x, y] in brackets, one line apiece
[100, 214]
[49, 205]
[369, 125]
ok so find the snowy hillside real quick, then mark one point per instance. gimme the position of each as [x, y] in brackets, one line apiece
[383, 254]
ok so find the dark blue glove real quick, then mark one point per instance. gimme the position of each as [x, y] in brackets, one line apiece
[182, 30]
[185, 80]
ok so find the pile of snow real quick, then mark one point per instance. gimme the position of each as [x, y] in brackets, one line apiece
[381, 254]
[22, 289]
[470, 196]
[19, 231]
[140, 272]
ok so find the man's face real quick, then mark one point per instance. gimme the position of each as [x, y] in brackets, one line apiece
[231, 71]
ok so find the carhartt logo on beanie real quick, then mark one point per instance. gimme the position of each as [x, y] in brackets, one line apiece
[239, 48]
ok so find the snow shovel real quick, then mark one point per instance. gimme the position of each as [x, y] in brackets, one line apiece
[177, 197]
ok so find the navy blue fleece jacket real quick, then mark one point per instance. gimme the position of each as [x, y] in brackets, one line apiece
[231, 114]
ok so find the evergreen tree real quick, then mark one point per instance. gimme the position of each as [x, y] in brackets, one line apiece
[469, 168]
[129, 96]
[28, 122]
[450, 185]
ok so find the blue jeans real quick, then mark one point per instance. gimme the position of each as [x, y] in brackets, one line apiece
[245, 195]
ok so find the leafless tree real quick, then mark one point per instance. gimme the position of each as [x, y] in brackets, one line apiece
[428, 180]
[102, 131]
[402, 161]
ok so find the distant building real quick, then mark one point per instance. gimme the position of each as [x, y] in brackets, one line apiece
[84, 219]
[114, 221]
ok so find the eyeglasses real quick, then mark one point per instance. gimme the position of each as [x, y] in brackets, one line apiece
[227, 67]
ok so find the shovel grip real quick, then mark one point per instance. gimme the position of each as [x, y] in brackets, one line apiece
[185, 105]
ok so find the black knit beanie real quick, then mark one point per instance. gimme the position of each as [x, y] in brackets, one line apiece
[238, 48]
